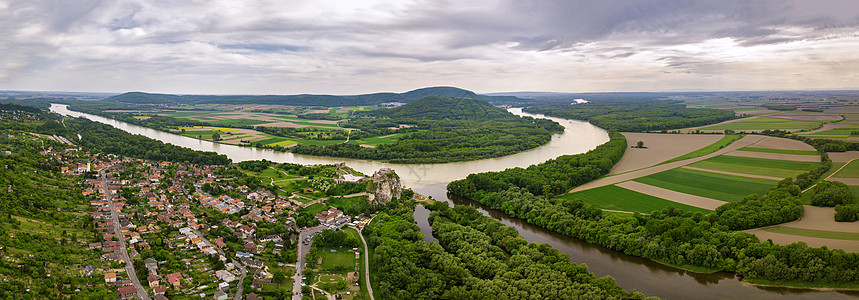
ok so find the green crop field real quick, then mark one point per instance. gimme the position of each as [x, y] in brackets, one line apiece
[782, 151]
[843, 132]
[237, 122]
[617, 198]
[722, 143]
[337, 261]
[756, 166]
[766, 123]
[705, 184]
[835, 235]
[849, 171]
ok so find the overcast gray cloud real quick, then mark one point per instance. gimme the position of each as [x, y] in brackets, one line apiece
[344, 47]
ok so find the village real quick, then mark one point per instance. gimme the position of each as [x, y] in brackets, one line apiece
[183, 231]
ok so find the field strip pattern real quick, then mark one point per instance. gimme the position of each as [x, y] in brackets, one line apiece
[847, 181]
[733, 173]
[683, 198]
[779, 156]
[756, 166]
[707, 184]
[743, 142]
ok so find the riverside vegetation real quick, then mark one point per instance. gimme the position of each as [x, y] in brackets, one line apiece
[476, 258]
[704, 242]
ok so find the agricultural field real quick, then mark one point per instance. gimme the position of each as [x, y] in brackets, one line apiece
[779, 151]
[722, 143]
[659, 148]
[616, 198]
[706, 184]
[767, 122]
[756, 166]
[851, 170]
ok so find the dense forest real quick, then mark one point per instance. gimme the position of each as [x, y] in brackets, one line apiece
[635, 115]
[442, 129]
[477, 258]
[670, 236]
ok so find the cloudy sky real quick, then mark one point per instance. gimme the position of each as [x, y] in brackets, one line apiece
[351, 46]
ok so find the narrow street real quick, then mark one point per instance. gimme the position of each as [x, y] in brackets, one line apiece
[129, 266]
[300, 263]
[367, 263]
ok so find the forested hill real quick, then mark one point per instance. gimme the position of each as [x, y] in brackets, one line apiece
[442, 107]
[302, 100]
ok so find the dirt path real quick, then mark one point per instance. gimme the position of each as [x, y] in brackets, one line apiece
[732, 173]
[683, 198]
[827, 126]
[660, 147]
[780, 156]
[743, 142]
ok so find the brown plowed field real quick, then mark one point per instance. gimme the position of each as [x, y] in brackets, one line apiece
[660, 147]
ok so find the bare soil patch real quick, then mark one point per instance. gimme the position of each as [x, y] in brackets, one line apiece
[780, 156]
[786, 239]
[822, 218]
[782, 143]
[847, 181]
[732, 173]
[660, 147]
[281, 124]
[827, 126]
[722, 123]
[809, 117]
[843, 156]
[692, 200]
[815, 218]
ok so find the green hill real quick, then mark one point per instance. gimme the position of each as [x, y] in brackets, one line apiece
[443, 107]
[301, 100]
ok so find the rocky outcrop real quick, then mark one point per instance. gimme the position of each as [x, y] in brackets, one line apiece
[386, 185]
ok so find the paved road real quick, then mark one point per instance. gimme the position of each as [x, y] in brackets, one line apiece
[367, 263]
[299, 265]
[743, 142]
[241, 287]
[129, 266]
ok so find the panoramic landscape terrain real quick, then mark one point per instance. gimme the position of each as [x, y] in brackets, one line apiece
[429, 150]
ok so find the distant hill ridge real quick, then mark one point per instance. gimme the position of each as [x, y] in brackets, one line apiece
[304, 99]
[444, 107]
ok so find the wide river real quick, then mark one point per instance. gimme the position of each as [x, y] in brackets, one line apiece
[631, 273]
